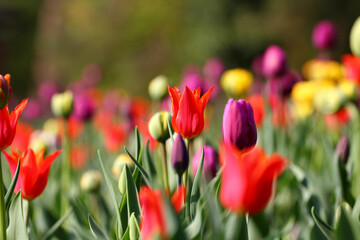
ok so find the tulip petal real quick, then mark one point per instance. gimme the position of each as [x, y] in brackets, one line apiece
[205, 98]
[14, 116]
[46, 163]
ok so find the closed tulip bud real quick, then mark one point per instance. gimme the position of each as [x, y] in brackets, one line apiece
[119, 164]
[122, 181]
[239, 127]
[325, 35]
[236, 82]
[355, 38]
[158, 126]
[210, 161]
[158, 88]
[274, 61]
[62, 104]
[91, 181]
[5, 91]
[179, 155]
[342, 149]
[133, 228]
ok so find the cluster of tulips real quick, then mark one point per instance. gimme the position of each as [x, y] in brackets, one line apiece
[272, 156]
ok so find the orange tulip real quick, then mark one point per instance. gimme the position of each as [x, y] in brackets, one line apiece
[178, 198]
[188, 111]
[247, 179]
[8, 124]
[34, 171]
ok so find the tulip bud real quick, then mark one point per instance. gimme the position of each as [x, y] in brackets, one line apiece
[236, 82]
[120, 162]
[133, 228]
[239, 126]
[158, 126]
[355, 38]
[122, 181]
[342, 149]
[62, 104]
[210, 161]
[158, 88]
[91, 181]
[4, 92]
[274, 61]
[325, 35]
[179, 155]
[84, 107]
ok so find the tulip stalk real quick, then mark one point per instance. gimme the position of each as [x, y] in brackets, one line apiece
[2, 207]
[65, 171]
[164, 165]
[27, 210]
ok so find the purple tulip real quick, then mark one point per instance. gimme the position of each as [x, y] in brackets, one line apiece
[342, 149]
[274, 61]
[213, 68]
[325, 35]
[46, 90]
[239, 127]
[84, 107]
[210, 161]
[282, 86]
[179, 155]
[32, 110]
[193, 81]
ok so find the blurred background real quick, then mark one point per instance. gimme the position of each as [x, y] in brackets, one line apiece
[134, 41]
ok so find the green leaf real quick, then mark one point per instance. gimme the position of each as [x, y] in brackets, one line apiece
[96, 229]
[133, 205]
[347, 228]
[16, 228]
[236, 227]
[148, 162]
[137, 144]
[49, 233]
[138, 165]
[195, 191]
[11, 188]
[113, 197]
[126, 235]
[170, 130]
[194, 229]
[324, 227]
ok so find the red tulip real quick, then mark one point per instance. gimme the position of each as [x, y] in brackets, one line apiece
[34, 171]
[178, 198]
[257, 103]
[8, 124]
[247, 179]
[22, 137]
[153, 213]
[188, 111]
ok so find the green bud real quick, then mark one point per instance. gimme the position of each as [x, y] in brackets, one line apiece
[91, 181]
[119, 164]
[122, 181]
[158, 126]
[355, 38]
[4, 92]
[62, 104]
[133, 228]
[158, 88]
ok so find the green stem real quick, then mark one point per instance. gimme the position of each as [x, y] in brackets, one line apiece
[65, 171]
[2, 207]
[27, 210]
[164, 165]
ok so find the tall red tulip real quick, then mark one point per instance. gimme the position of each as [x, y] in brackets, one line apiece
[188, 111]
[247, 179]
[8, 124]
[34, 171]
[153, 221]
